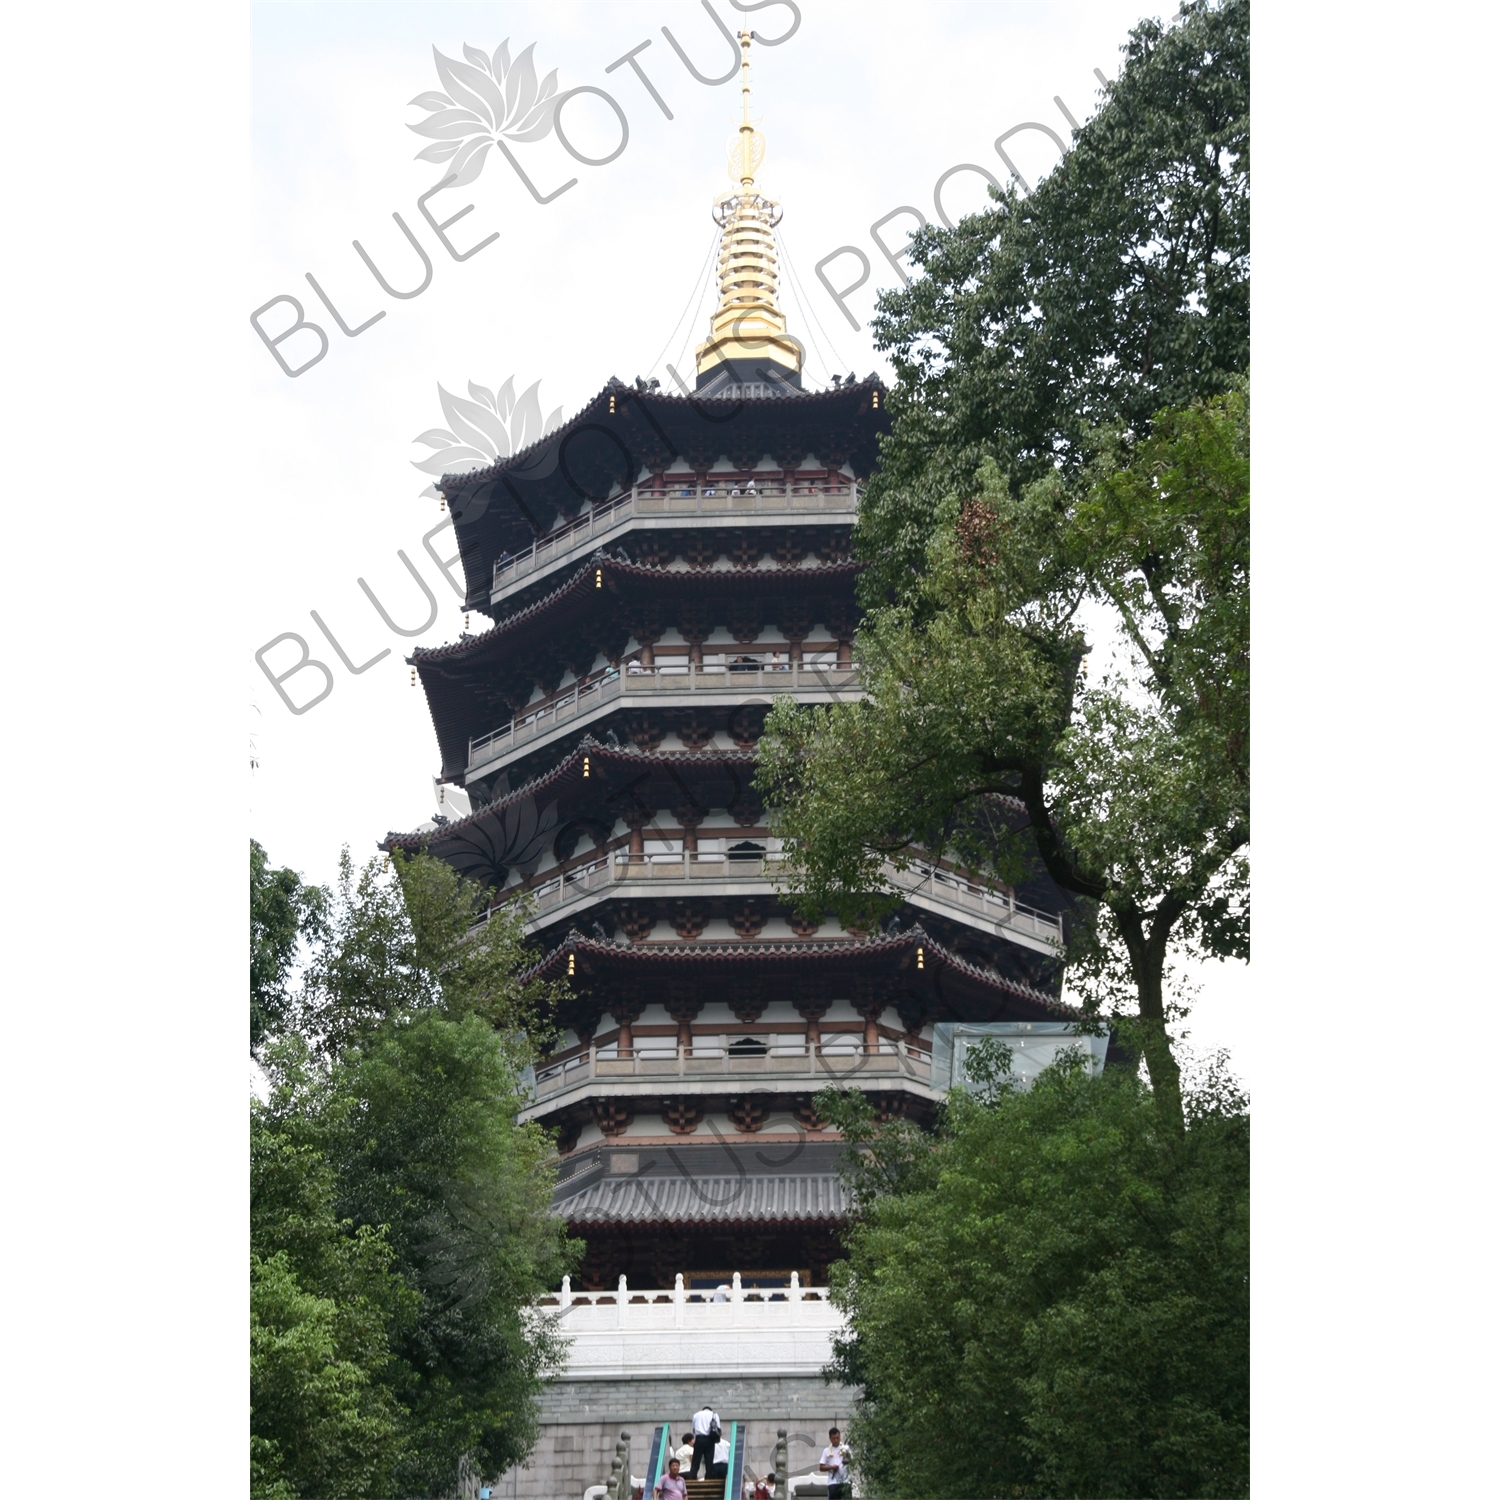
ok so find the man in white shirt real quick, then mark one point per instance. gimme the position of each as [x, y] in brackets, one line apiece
[835, 1464]
[719, 1468]
[705, 1435]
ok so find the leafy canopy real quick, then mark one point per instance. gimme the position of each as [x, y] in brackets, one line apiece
[1118, 287]
[399, 1213]
[283, 912]
[1068, 468]
[1049, 1293]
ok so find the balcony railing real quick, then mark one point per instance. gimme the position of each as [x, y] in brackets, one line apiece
[920, 883]
[736, 1305]
[836, 1061]
[625, 1334]
[594, 693]
[723, 498]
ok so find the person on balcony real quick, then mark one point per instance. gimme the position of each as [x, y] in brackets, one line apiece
[835, 1464]
[705, 1436]
[671, 1485]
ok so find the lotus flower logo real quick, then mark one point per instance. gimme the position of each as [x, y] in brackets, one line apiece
[493, 425]
[517, 840]
[487, 98]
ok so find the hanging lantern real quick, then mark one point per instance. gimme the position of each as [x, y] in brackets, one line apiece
[598, 578]
[921, 957]
[570, 966]
[414, 677]
[585, 767]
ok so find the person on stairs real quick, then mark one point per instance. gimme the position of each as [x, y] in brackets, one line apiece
[670, 1485]
[719, 1468]
[705, 1435]
[835, 1464]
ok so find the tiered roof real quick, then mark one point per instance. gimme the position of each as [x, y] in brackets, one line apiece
[472, 683]
[623, 432]
[883, 966]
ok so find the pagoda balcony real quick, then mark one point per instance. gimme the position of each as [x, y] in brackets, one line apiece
[710, 1068]
[714, 685]
[731, 501]
[619, 875]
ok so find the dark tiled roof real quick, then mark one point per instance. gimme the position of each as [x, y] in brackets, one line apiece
[883, 955]
[707, 1200]
[471, 683]
[620, 778]
[502, 508]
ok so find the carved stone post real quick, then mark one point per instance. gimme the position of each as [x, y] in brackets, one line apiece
[690, 818]
[696, 625]
[683, 1008]
[626, 1014]
[648, 631]
[636, 819]
[794, 626]
[841, 621]
[780, 1491]
[812, 1009]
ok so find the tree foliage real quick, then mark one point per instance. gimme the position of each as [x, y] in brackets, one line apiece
[1118, 287]
[400, 1225]
[1068, 468]
[283, 911]
[1050, 1297]
[1134, 785]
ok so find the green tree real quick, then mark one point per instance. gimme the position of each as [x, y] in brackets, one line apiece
[1068, 466]
[1052, 1294]
[283, 912]
[981, 737]
[400, 1218]
[1118, 287]
[410, 936]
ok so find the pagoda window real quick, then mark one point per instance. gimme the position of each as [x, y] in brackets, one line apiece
[748, 1046]
[747, 849]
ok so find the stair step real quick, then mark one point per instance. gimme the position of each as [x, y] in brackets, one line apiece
[705, 1489]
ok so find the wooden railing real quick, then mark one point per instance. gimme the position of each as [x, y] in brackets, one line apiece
[724, 497]
[834, 1061]
[945, 887]
[593, 693]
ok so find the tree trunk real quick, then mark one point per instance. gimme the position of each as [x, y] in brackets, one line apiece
[1147, 962]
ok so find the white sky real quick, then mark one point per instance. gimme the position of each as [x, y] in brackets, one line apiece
[863, 109]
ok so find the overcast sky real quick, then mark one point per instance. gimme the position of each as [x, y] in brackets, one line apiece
[863, 109]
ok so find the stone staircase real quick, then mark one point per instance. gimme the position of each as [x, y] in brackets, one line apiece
[705, 1489]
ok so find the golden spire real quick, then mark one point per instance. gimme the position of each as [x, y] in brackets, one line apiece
[747, 332]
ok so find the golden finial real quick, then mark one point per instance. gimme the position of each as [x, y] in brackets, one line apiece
[749, 136]
[747, 333]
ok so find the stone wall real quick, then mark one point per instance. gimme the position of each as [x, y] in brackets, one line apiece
[582, 1420]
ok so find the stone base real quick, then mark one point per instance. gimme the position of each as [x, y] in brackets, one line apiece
[581, 1420]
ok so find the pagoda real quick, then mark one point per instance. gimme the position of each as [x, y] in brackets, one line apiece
[658, 572]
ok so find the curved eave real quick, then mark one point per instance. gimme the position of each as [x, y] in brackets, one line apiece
[504, 507]
[467, 681]
[503, 834]
[887, 956]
